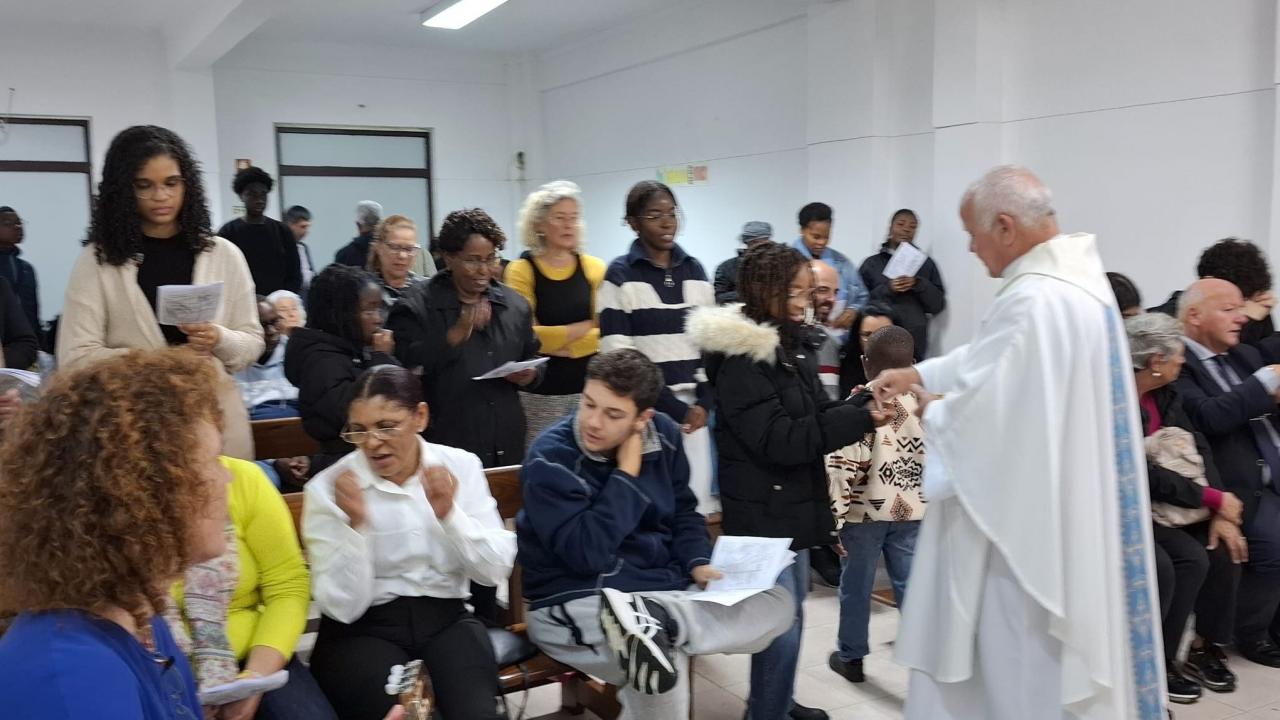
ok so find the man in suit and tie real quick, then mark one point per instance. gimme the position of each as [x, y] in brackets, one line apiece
[1231, 396]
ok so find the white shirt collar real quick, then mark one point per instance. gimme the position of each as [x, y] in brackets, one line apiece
[1202, 353]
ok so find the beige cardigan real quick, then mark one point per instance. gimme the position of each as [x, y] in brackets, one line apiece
[106, 313]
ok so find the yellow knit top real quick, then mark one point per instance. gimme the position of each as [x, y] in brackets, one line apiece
[520, 277]
[271, 598]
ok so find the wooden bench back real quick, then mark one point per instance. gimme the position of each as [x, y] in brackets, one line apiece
[282, 438]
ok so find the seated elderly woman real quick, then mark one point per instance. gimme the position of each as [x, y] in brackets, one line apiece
[112, 489]
[241, 614]
[289, 307]
[396, 531]
[1190, 511]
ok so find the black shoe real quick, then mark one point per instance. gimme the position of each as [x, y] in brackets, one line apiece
[1182, 690]
[800, 712]
[1263, 652]
[639, 634]
[851, 670]
[826, 565]
[1207, 665]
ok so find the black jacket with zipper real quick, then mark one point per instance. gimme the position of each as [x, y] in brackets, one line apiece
[911, 309]
[773, 425]
[482, 416]
[324, 368]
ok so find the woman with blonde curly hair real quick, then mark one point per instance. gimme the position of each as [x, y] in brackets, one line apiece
[560, 283]
[111, 490]
[393, 255]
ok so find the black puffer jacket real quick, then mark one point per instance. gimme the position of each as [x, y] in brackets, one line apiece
[773, 425]
[324, 368]
[482, 416]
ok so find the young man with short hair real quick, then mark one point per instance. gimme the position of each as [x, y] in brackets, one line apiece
[298, 218]
[611, 545]
[814, 243]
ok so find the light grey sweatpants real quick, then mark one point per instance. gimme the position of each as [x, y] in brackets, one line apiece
[704, 629]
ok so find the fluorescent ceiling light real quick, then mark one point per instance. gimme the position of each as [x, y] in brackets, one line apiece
[461, 14]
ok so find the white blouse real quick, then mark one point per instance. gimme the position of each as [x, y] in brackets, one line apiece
[403, 550]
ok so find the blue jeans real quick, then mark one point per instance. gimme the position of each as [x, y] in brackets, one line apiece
[773, 670]
[864, 542]
[300, 699]
[274, 410]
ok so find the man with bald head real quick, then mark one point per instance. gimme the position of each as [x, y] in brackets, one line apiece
[1230, 395]
[1033, 590]
[826, 285]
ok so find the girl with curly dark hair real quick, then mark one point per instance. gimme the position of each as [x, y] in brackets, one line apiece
[111, 490]
[150, 228]
[460, 325]
[773, 425]
[343, 337]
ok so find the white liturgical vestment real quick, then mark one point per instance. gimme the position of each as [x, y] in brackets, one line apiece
[1032, 592]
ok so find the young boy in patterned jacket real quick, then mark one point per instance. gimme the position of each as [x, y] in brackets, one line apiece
[876, 498]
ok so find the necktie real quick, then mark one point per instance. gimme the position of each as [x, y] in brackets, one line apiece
[1262, 436]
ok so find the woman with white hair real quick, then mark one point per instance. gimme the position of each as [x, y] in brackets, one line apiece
[289, 307]
[1190, 511]
[560, 283]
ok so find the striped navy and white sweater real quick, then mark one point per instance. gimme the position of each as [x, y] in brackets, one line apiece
[643, 306]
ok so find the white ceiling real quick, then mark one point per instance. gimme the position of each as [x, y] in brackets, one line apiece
[517, 26]
[143, 14]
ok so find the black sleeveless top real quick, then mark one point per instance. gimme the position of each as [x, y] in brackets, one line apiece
[562, 302]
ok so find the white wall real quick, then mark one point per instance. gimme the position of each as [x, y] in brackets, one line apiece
[462, 99]
[115, 79]
[717, 83]
[1154, 122]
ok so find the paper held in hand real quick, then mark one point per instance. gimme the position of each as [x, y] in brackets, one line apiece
[906, 262]
[750, 565]
[243, 688]
[511, 368]
[188, 304]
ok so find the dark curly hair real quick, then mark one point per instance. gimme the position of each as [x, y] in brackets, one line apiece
[116, 228]
[814, 212]
[460, 225]
[764, 278]
[333, 302]
[644, 191]
[628, 372]
[1239, 262]
[100, 486]
[250, 175]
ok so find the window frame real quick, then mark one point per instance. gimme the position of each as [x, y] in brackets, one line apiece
[284, 171]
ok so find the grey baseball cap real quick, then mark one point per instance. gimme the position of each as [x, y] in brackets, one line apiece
[756, 230]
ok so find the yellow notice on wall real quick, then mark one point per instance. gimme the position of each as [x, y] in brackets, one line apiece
[684, 175]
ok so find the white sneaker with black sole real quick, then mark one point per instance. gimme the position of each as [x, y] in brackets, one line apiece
[640, 636]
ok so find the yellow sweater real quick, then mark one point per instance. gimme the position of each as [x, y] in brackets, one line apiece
[520, 277]
[271, 598]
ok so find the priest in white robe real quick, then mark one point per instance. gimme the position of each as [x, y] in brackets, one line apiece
[1033, 593]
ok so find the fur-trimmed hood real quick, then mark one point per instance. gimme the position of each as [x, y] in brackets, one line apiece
[727, 331]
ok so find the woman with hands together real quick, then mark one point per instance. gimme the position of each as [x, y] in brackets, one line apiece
[397, 531]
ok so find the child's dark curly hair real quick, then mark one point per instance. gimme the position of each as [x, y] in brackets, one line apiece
[1239, 262]
[116, 228]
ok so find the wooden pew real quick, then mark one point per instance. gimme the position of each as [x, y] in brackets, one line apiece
[282, 438]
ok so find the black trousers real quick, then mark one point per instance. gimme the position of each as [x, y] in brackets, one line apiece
[1257, 614]
[351, 662]
[1192, 577]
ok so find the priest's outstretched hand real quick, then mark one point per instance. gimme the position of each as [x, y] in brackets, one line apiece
[892, 383]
